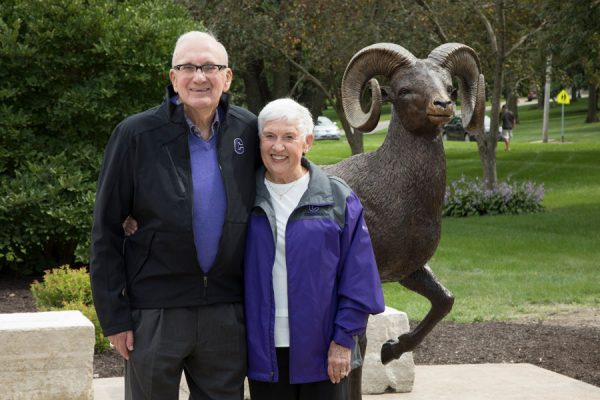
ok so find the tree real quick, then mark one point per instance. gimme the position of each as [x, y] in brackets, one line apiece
[576, 42]
[71, 70]
[508, 26]
[301, 48]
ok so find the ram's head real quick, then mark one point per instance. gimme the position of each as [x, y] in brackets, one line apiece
[421, 91]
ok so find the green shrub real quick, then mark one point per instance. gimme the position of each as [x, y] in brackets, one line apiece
[70, 71]
[62, 285]
[63, 289]
[46, 210]
[467, 198]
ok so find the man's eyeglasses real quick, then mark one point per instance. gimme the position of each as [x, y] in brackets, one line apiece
[206, 69]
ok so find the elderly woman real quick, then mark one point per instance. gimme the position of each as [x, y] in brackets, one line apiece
[310, 273]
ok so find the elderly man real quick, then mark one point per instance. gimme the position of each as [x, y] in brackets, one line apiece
[169, 297]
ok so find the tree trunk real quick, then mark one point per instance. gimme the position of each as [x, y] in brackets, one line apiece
[487, 155]
[573, 94]
[58, 252]
[281, 80]
[256, 87]
[540, 91]
[252, 89]
[313, 98]
[356, 142]
[547, 98]
[354, 137]
[592, 111]
[540, 100]
[487, 147]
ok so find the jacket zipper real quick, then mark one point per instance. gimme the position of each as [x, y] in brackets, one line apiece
[205, 284]
[273, 365]
[290, 366]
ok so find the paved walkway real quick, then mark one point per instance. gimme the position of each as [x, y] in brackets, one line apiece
[454, 382]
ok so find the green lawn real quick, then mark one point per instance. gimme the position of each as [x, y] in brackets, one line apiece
[502, 267]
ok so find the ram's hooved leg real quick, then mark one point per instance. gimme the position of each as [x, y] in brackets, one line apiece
[424, 282]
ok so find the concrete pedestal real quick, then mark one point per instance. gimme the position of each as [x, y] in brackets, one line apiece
[46, 355]
[398, 375]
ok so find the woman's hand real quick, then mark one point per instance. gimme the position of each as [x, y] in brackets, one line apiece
[338, 362]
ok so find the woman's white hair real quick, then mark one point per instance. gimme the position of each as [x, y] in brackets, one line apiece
[291, 111]
[197, 35]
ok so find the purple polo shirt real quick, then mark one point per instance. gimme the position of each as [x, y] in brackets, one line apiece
[210, 199]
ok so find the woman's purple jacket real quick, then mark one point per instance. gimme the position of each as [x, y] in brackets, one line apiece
[333, 283]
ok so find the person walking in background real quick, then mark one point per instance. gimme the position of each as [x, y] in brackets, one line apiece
[507, 119]
[310, 274]
[169, 296]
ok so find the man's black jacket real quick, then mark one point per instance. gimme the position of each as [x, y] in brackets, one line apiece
[146, 173]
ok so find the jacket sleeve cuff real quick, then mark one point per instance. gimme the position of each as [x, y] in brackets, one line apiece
[343, 339]
[113, 330]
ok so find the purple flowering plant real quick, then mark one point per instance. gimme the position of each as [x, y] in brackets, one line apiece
[466, 198]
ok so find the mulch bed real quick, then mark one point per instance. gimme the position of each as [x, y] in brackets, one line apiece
[569, 350]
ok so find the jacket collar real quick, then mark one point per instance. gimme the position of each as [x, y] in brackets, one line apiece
[176, 115]
[318, 193]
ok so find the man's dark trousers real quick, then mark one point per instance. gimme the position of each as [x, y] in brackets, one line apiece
[207, 342]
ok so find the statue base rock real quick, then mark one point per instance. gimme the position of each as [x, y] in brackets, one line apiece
[398, 375]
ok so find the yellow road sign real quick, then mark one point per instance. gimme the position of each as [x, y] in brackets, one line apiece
[563, 97]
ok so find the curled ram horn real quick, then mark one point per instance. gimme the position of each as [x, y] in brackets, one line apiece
[378, 59]
[477, 120]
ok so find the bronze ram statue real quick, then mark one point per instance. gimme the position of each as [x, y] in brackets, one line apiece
[402, 184]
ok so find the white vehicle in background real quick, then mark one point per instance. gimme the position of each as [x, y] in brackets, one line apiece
[486, 124]
[326, 129]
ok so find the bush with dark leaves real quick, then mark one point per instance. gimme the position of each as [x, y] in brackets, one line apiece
[466, 198]
[70, 71]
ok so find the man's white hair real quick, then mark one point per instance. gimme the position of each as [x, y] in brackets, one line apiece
[289, 110]
[197, 35]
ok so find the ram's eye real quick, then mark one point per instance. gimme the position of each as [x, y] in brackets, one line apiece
[403, 92]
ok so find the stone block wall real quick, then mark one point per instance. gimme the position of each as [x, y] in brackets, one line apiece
[46, 355]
